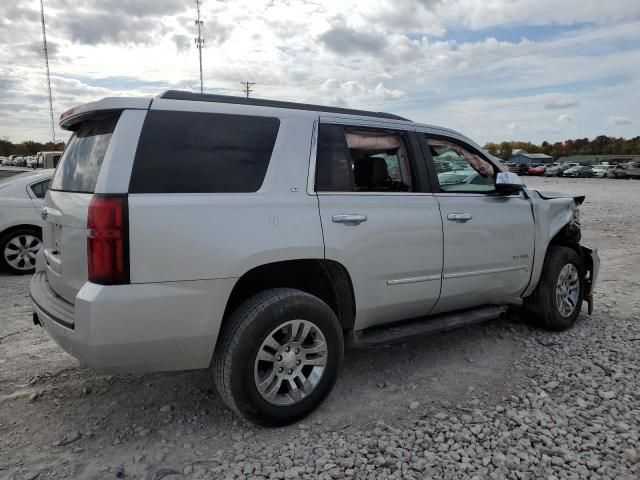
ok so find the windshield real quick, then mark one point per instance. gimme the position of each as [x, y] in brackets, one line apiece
[80, 164]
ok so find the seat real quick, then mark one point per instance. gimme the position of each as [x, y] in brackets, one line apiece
[371, 173]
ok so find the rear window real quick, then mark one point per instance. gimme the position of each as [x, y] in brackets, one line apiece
[80, 164]
[193, 152]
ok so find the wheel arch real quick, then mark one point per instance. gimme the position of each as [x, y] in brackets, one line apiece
[326, 279]
[20, 226]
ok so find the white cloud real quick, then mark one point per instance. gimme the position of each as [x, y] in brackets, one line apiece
[566, 118]
[616, 120]
[382, 55]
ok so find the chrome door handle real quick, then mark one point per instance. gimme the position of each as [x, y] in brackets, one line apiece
[349, 219]
[459, 217]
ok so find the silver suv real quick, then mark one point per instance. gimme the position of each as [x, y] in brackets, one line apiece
[258, 238]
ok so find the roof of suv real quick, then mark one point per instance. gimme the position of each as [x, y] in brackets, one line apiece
[206, 97]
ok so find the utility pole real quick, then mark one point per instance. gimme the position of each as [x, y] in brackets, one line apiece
[46, 62]
[247, 87]
[199, 40]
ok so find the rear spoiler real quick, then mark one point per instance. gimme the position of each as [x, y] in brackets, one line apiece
[77, 114]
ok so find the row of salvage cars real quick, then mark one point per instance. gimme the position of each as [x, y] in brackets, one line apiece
[626, 170]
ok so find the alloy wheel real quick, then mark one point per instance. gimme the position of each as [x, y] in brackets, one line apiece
[20, 252]
[567, 290]
[290, 362]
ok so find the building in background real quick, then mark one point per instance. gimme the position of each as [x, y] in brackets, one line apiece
[520, 157]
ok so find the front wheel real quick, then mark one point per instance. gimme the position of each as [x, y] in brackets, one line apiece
[278, 356]
[557, 300]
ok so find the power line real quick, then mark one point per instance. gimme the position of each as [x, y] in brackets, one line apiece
[199, 40]
[46, 62]
[247, 87]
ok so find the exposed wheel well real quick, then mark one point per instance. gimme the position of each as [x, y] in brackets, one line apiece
[568, 236]
[326, 279]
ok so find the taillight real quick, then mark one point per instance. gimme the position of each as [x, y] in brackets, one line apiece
[108, 240]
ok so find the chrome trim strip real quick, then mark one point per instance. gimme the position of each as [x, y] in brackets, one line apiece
[485, 272]
[311, 179]
[400, 281]
[379, 194]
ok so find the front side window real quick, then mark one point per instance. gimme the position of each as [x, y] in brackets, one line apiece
[362, 160]
[460, 169]
[195, 152]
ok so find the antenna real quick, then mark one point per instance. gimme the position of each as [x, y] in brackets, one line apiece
[247, 87]
[46, 62]
[199, 40]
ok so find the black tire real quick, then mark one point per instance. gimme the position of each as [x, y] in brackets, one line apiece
[542, 307]
[8, 237]
[241, 338]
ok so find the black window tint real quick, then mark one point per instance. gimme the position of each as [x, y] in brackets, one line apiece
[334, 172]
[187, 152]
[80, 164]
[40, 189]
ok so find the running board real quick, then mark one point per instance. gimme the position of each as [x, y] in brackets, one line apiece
[438, 323]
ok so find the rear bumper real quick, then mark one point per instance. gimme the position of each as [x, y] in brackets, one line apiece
[135, 328]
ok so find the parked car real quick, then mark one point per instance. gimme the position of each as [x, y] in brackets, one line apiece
[21, 198]
[619, 171]
[581, 171]
[537, 170]
[285, 232]
[556, 171]
[519, 169]
[599, 172]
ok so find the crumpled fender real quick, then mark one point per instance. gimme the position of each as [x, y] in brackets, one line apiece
[551, 212]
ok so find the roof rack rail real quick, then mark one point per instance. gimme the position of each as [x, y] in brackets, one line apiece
[207, 97]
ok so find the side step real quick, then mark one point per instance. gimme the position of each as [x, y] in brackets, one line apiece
[439, 323]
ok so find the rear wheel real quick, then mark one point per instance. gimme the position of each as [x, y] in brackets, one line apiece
[278, 356]
[18, 249]
[557, 300]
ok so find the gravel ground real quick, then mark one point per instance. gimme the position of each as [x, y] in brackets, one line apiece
[498, 400]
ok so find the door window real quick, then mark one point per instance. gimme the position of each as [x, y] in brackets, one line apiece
[362, 160]
[40, 189]
[460, 169]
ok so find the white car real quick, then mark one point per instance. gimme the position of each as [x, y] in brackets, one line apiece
[599, 172]
[21, 198]
[257, 238]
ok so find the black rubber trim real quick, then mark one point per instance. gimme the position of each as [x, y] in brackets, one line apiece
[260, 102]
[56, 319]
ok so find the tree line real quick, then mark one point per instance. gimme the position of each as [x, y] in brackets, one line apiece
[28, 148]
[601, 145]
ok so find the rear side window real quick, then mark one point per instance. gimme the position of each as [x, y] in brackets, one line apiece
[193, 152]
[80, 164]
[40, 189]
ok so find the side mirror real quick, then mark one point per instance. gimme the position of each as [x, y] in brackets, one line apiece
[508, 182]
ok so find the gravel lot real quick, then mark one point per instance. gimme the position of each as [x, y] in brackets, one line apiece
[498, 400]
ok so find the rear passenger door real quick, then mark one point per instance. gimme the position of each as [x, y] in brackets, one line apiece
[379, 219]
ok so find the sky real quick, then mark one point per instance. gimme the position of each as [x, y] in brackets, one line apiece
[495, 70]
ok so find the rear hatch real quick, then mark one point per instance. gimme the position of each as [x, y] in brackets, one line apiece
[66, 206]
